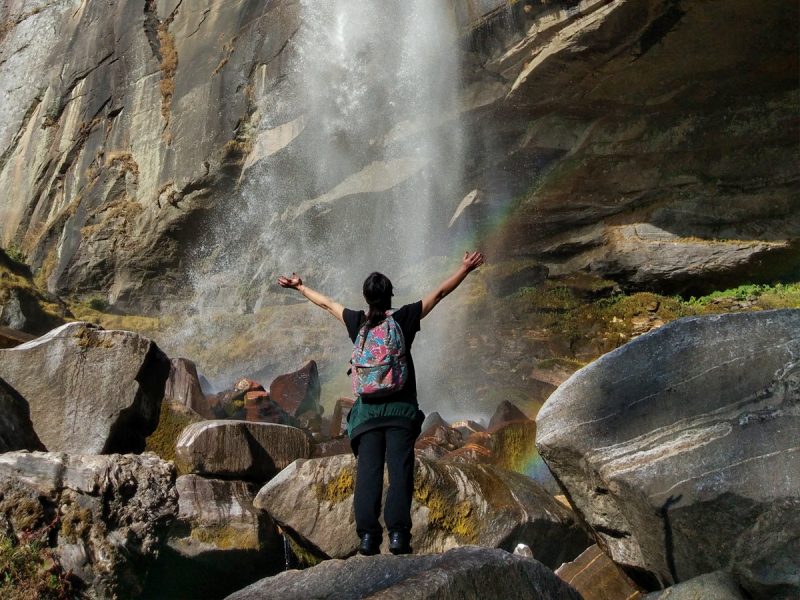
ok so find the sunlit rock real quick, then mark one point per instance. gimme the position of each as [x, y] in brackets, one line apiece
[438, 440]
[240, 449]
[105, 516]
[183, 387]
[596, 577]
[469, 573]
[453, 505]
[89, 390]
[680, 451]
[16, 429]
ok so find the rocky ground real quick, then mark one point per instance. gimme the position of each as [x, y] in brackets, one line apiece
[670, 464]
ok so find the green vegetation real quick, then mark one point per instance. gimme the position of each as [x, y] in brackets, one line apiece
[30, 571]
[172, 420]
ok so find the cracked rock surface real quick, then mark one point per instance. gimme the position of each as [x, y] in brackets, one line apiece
[90, 391]
[680, 450]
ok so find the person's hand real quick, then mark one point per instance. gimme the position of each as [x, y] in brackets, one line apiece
[292, 282]
[471, 261]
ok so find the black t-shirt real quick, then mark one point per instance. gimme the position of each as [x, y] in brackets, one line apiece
[408, 317]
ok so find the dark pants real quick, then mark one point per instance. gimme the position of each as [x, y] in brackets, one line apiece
[394, 446]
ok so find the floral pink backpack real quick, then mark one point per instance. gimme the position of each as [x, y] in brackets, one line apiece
[379, 365]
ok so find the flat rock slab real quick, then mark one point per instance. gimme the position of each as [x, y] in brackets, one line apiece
[16, 429]
[453, 505]
[465, 573]
[680, 449]
[240, 449]
[596, 577]
[90, 391]
[107, 514]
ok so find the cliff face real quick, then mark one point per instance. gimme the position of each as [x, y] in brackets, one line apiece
[655, 143]
[127, 127]
[652, 142]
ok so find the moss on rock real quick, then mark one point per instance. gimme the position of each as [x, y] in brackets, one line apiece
[174, 418]
[226, 537]
[338, 489]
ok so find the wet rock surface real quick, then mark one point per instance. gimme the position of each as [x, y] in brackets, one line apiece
[468, 573]
[453, 505]
[90, 391]
[16, 429]
[240, 449]
[680, 450]
[106, 516]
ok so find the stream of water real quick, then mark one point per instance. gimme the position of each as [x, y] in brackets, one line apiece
[368, 180]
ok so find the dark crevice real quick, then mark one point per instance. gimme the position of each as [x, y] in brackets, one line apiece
[64, 100]
[12, 146]
[660, 28]
[611, 532]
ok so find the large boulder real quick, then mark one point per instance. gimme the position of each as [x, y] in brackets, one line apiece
[453, 505]
[469, 573]
[240, 449]
[90, 391]
[218, 544]
[16, 429]
[298, 392]
[680, 451]
[105, 515]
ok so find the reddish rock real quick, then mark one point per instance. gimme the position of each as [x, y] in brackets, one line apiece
[467, 428]
[298, 392]
[506, 413]
[437, 441]
[597, 577]
[183, 387]
[248, 385]
[472, 454]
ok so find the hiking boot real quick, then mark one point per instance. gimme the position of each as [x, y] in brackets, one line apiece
[370, 544]
[400, 542]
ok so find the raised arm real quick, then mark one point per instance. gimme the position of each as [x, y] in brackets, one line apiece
[470, 262]
[294, 282]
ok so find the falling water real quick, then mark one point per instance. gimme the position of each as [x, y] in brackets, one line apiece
[359, 164]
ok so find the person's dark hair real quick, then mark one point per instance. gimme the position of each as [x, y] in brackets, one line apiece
[378, 294]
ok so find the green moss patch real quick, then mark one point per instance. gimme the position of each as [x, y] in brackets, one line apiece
[338, 489]
[227, 537]
[172, 420]
[457, 518]
[30, 571]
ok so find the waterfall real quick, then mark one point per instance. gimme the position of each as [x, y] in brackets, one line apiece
[356, 165]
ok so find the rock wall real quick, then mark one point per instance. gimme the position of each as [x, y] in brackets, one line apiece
[653, 141]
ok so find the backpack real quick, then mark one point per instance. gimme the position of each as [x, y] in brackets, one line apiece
[379, 365]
